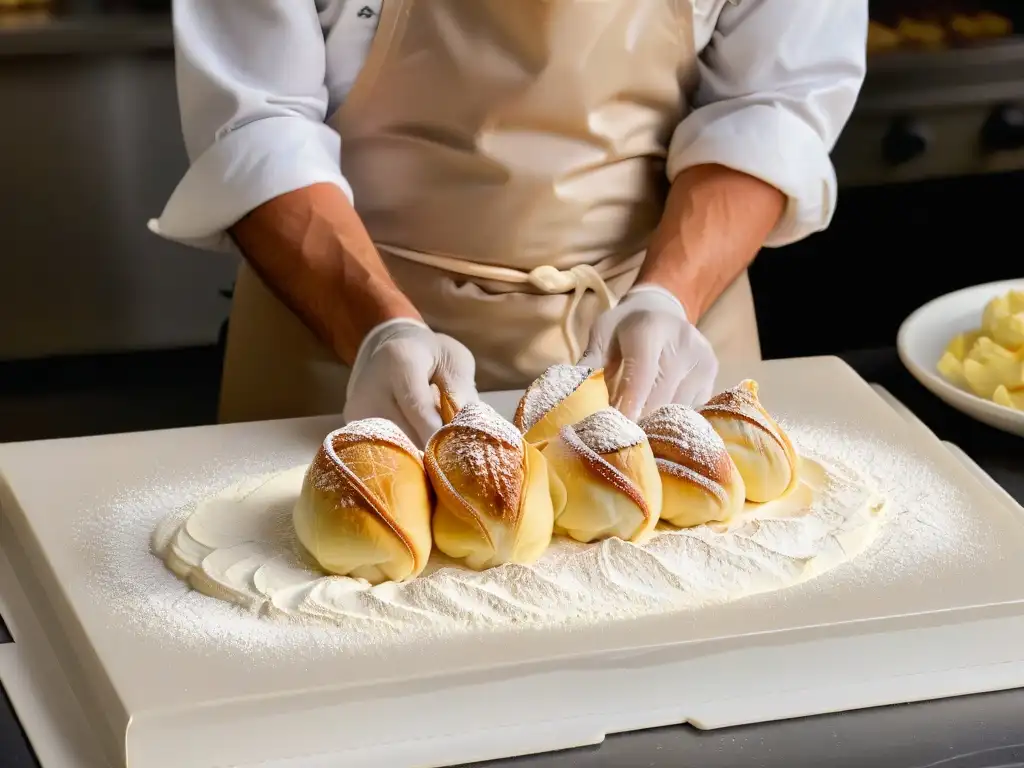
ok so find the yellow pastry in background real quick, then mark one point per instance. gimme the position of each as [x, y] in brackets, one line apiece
[563, 395]
[981, 26]
[1003, 320]
[989, 366]
[364, 509]
[493, 498]
[759, 447]
[993, 25]
[1008, 398]
[989, 361]
[604, 478]
[951, 364]
[882, 38]
[921, 34]
[700, 482]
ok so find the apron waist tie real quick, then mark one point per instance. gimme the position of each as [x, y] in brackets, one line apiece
[547, 279]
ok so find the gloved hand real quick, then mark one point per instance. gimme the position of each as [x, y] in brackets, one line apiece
[651, 353]
[394, 369]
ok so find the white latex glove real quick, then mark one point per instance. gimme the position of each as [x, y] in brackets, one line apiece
[651, 353]
[394, 369]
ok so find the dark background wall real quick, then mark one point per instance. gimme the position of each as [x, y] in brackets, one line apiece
[890, 249]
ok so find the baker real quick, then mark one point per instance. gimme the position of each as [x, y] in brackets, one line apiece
[463, 192]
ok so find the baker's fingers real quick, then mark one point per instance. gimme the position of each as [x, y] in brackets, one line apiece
[410, 378]
[593, 357]
[454, 372]
[697, 386]
[666, 385]
[418, 408]
[638, 370]
[599, 344]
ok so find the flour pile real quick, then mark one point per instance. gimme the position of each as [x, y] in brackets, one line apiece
[235, 543]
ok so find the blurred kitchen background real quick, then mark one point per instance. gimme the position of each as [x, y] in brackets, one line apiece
[104, 327]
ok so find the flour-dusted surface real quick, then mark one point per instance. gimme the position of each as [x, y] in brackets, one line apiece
[236, 547]
[927, 526]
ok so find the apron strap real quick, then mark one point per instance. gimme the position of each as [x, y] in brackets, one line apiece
[547, 279]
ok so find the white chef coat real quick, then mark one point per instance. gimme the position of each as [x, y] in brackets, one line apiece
[257, 80]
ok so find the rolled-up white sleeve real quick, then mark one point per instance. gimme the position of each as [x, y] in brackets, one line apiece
[253, 100]
[778, 82]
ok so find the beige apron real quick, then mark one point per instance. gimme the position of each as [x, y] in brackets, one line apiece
[507, 158]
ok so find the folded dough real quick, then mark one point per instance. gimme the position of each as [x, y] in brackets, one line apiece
[700, 482]
[493, 499]
[759, 447]
[605, 480]
[563, 395]
[364, 508]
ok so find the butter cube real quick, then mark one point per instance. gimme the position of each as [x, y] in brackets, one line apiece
[1009, 398]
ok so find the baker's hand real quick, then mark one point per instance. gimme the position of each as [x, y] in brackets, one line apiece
[393, 372]
[651, 353]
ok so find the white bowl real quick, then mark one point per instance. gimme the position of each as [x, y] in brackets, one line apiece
[923, 338]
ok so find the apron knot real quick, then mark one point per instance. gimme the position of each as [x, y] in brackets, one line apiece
[576, 281]
[552, 280]
[547, 279]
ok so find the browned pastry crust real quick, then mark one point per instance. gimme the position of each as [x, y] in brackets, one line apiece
[330, 471]
[605, 471]
[562, 395]
[497, 483]
[741, 402]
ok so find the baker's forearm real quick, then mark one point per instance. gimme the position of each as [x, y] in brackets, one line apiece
[715, 221]
[313, 252]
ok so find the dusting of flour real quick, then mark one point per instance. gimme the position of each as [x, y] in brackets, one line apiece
[608, 431]
[553, 386]
[926, 523]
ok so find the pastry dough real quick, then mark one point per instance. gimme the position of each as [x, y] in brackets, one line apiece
[563, 395]
[364, 508]
[493, 499]
[447, 406]
[700, 481]
[605, 480]
[759, 447]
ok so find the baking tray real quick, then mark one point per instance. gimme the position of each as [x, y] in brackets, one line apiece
[850, 639]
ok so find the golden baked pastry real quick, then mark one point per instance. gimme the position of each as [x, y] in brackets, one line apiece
[364, 508]
[493, 501]
[447, 405]
[922, 33]
[563, 395]
[758, 446]
[882, 38]
[700, 482]
[989, 361]
[604, 480]
[980, 26]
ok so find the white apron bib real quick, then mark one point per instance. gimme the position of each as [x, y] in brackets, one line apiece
[507, 158]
